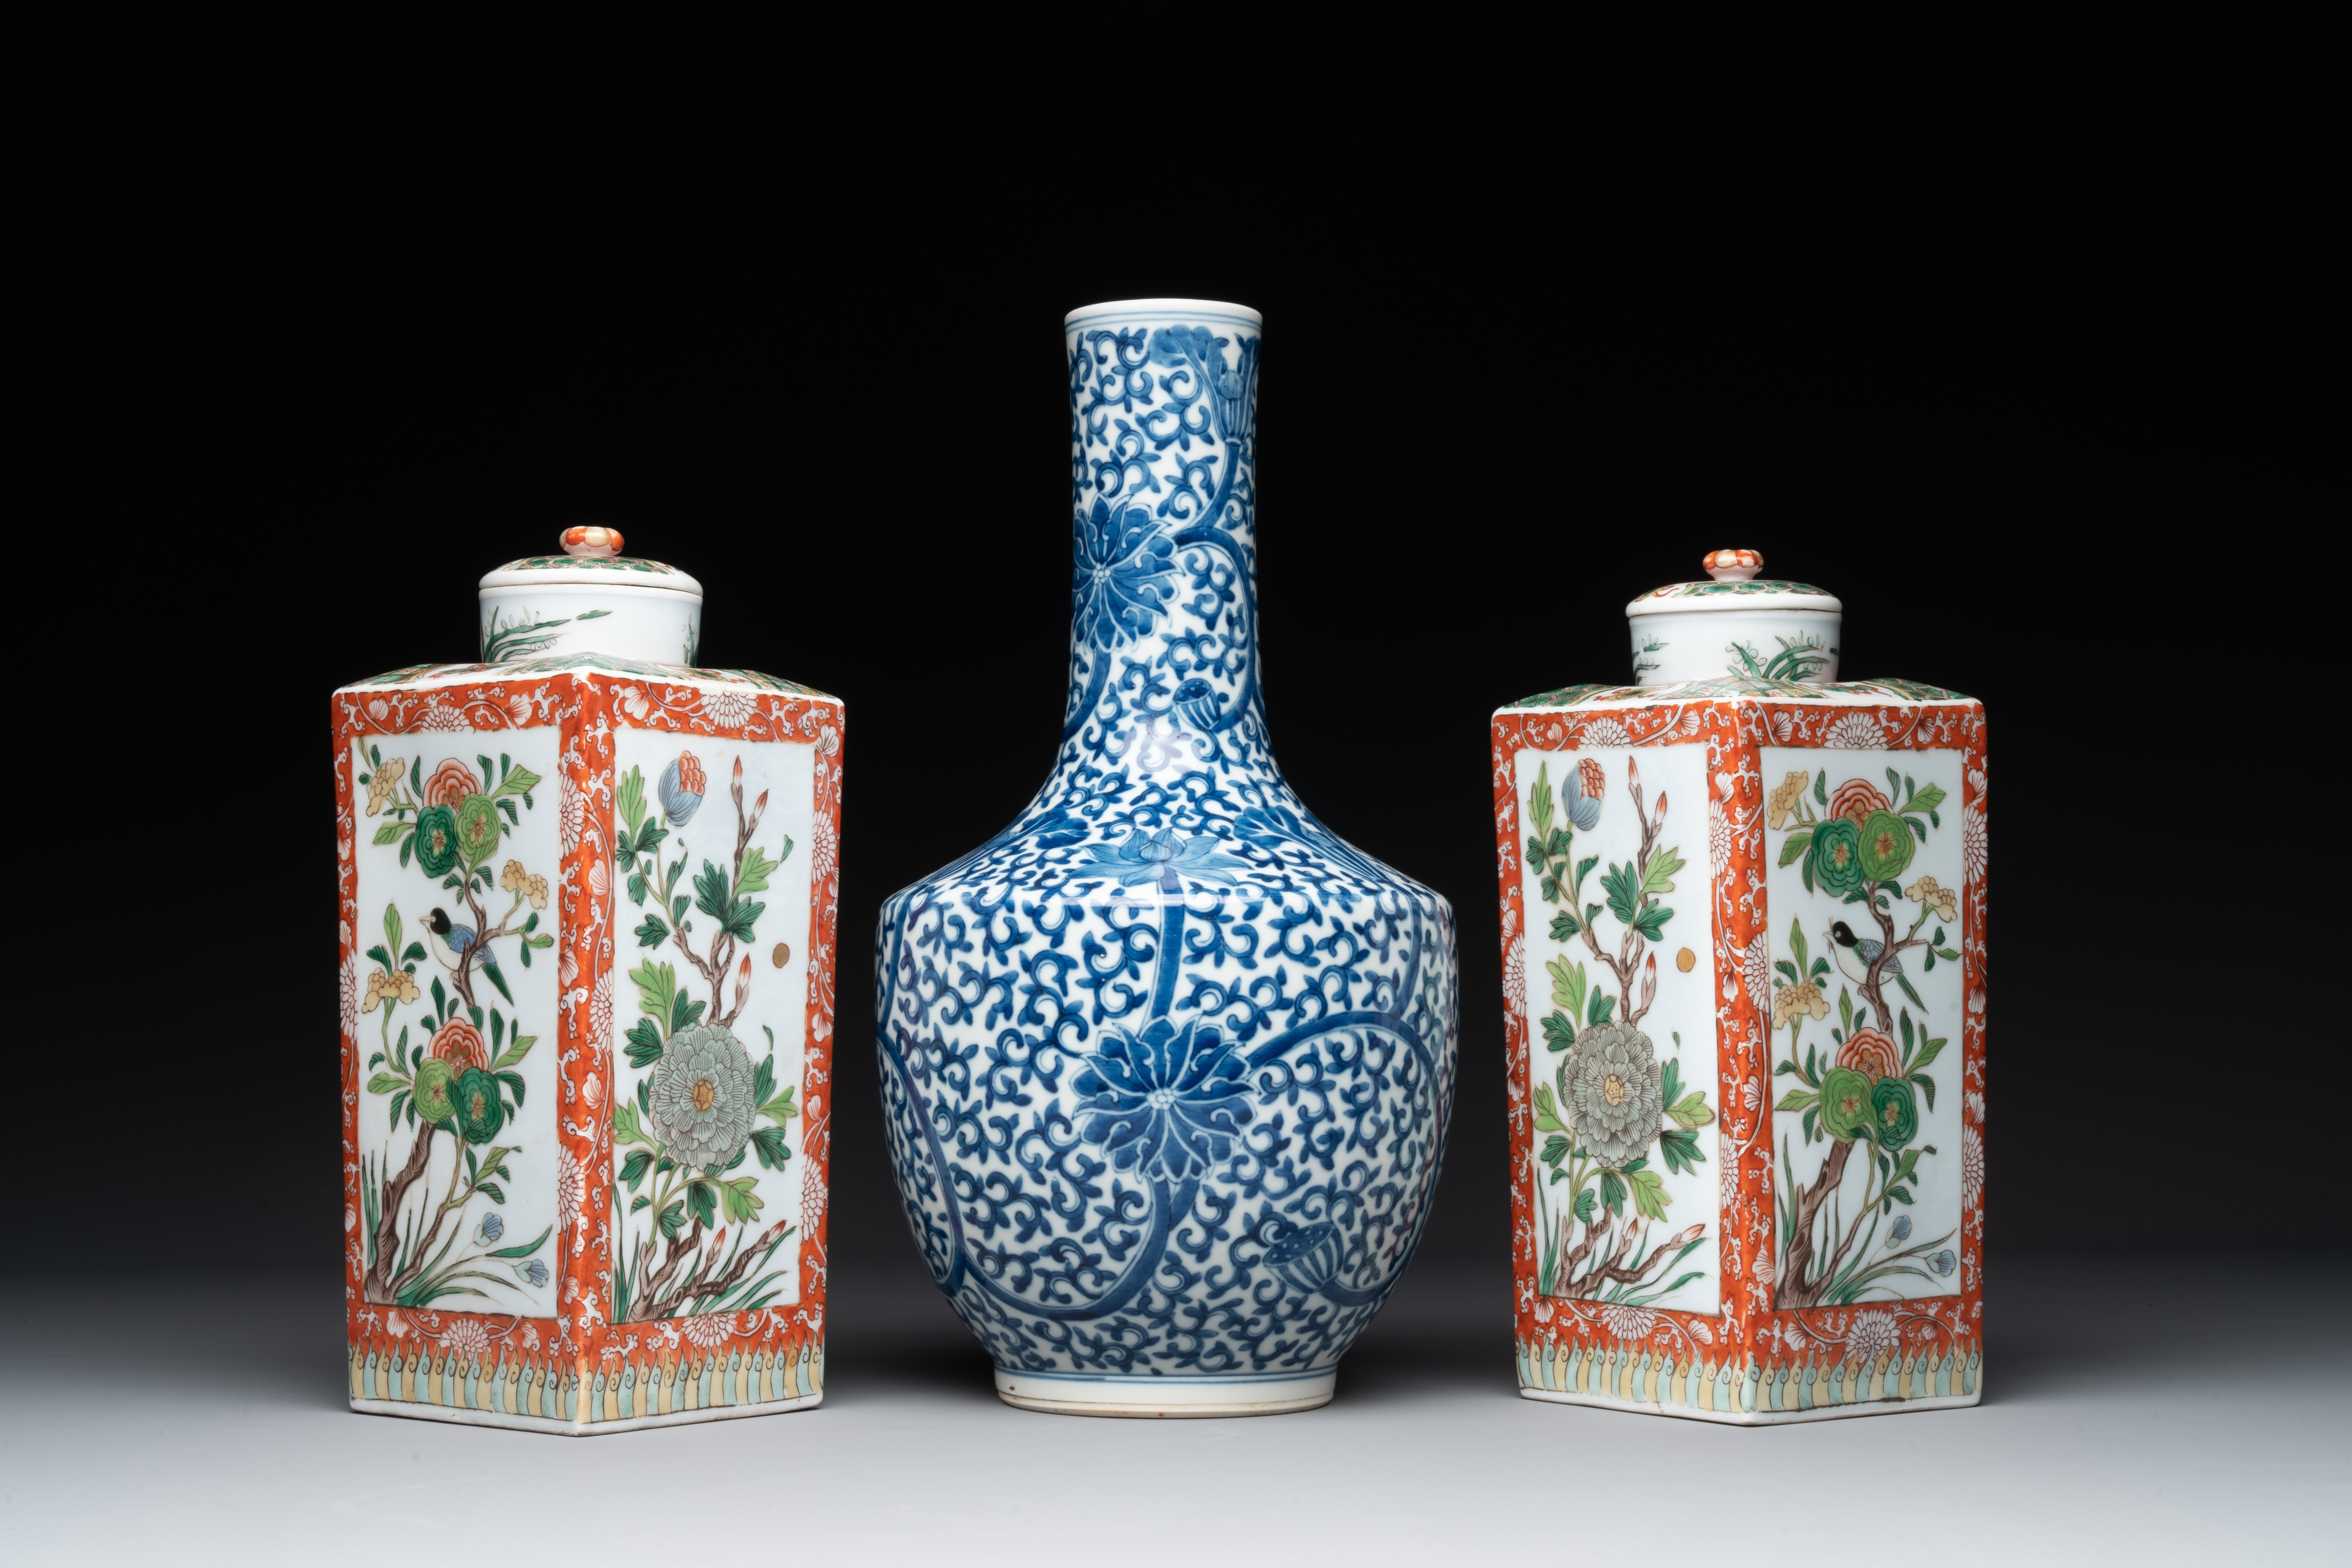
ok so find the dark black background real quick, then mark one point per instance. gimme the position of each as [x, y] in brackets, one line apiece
[2046, 428]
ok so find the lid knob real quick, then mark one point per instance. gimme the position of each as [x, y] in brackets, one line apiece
[592, 540]
[1723, 565]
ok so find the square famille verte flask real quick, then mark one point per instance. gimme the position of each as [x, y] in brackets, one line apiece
[1743, 911]
[587, 898]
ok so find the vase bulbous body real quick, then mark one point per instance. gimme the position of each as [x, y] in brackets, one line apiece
[1167, 1066]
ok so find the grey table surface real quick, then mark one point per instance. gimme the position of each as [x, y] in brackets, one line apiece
[2128, 1417]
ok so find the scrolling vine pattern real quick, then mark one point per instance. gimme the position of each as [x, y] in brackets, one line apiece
[1167, 1066]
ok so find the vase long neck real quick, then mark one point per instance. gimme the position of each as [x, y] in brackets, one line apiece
[1164, 613]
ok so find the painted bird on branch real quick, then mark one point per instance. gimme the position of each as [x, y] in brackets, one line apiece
[1856, 954]
[452, 942]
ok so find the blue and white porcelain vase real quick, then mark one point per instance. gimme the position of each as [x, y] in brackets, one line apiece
[1167, 1065]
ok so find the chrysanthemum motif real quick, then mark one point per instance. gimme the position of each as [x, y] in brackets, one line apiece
[600, 1013]
[1755, 971]
[1972, 1167]
[569, 1185]
[1515, 975]
[709, 1330]
[570, 807]
[439, 716]
[729, 706]
[1854, 732]
[351, 995]
[465, 1339]
[825, 846]
[1727, 1180]
[1628, 1322]
[1972, 843]
[1719, 837]
[1870, 1335]
[702, 1103]
[1167, 1102]
[1613, 1098]
[1604, 731]
[812, 1203]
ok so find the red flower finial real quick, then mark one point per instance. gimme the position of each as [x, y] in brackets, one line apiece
[592, 540]
[1732, 565]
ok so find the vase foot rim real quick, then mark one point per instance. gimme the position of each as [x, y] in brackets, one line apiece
[1167, 1398]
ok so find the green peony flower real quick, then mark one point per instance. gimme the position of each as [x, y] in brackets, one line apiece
[434, 1075]
[702, 1103]
[1845, 1103]
[480, 1112]
[1895, 1109]
[477, 828]
[1613, 1094]
[1837, 855]
[1886, 846]
[436, 843]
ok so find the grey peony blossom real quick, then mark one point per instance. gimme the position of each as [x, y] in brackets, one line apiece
[1613, 1096]
[702, 1096]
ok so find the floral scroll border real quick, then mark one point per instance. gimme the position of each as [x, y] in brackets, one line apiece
[585, 708]
[1750, 1329]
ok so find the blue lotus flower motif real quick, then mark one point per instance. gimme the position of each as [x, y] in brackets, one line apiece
[490, 1230]
[1943, 1262]
[1167, 1102]
[1124, 580]
[1162, 857]
[1902, 1231]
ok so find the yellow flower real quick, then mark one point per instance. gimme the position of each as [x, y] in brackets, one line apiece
[399, 984]
[1789, 1000]
[535, 888]
[383, 782]
[1927, 890]
[1784, 799]
[512, 876]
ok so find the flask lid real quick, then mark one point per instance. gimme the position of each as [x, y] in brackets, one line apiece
[592, 557]
[590, 600]
[1733, 585]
